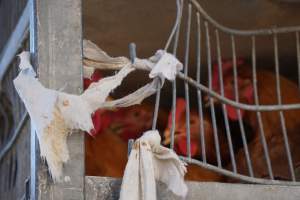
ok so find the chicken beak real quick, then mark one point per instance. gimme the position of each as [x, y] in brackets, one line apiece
[168, 136]
[167, 139]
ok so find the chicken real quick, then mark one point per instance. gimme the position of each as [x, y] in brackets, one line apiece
[106, 151]
[266, 85]
[195, 172]
[124, 121]
[105, 155]
[180, 138]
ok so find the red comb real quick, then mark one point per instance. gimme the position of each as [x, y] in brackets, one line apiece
[101, 121]
[180, 108]
[181, 147]
[96, 76]
[227, 65]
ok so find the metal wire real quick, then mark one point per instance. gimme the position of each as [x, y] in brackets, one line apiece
[203, 18]
[227, 128]
[199, 94]
[211, 103]
[259, 118]
[186, 85]
[174, 96]
[282, 120]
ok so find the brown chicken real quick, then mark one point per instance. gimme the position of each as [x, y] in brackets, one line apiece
[180, 138]
[106, 152]
[266, 85]
[105, 155]
[195, 172]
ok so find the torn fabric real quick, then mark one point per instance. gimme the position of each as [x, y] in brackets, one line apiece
[55, 113]
[149, 162]
[162, 64]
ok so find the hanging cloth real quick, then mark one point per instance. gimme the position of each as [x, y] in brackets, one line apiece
[149, 162]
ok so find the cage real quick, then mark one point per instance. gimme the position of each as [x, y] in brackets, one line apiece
[201, 43]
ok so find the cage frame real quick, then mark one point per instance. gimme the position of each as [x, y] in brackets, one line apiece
[42, 27]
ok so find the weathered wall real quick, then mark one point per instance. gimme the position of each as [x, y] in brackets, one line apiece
[103, 188]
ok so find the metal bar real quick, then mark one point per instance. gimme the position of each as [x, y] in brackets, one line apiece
[237, 176]
[298, 56]
[258, 114]
[175, 45]
[132, 52]
[213, 116]
[5, 120]
[282, 119]
[242, 32]
[156, 108]
[176, 25]
[250, 107]
[244, 106]
[199, 94]
[236, 92]
[15, 42]
[227, 128]
[130, 144]
[186, 86]
[174, 96]
[14, 137]
[34, 154]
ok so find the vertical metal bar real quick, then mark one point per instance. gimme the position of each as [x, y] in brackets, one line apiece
[236, 92]
[174, 96]
[130, 144]
[34, 154]
[227, 128]
[298, 56]
[199, 93]
[282, 119]
[175, 45]
[258, 113]
[156, 108]
[132, 52]
[213, 116]
[186, 85]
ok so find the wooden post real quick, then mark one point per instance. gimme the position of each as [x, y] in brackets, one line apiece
[56, 41]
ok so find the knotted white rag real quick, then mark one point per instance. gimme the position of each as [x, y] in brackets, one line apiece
[149, 162]
[54, 113]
